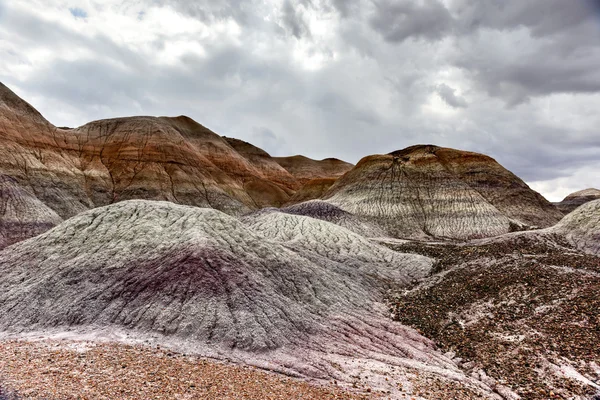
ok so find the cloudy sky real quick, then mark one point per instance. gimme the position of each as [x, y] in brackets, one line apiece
[518, 80]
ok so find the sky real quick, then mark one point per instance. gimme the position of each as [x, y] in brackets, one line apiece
[517, 80]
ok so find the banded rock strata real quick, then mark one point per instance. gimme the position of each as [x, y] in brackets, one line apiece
[306, 169]
[574, 200]
[427, 191]
[282, 291]
[22, 215]
[313, 189]
[102, 162]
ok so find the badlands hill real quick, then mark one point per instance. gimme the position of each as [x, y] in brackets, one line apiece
[582, 227]
[574, 200]
[22, 215]
[102, 162]
[313, 189]
[420, 192]
[306, 169]
[286, 292]
[427, 191]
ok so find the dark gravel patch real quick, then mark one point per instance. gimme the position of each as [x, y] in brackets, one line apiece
[515, 309]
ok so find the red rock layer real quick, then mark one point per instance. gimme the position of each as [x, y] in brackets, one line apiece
[306, 169]
[279, 185]
[313, 189]
[174, 159]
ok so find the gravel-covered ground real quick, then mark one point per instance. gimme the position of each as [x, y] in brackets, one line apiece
[523, 311]
[83, 370]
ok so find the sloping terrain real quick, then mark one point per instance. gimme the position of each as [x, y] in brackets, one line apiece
[313, 189]
[582, 227]
[60, 369]
[521, 309]
[432, 192]
[574, 200]
[103, 162]
[280, 185]
[328, 212]
[306, 169]
[21, 214]
[204, 282]
[173, 159]
[500, 187]
[327, 240]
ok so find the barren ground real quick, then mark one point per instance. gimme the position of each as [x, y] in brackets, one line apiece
[522, 310]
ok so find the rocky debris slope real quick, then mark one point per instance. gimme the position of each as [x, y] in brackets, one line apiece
[574, 200]
[202, 281]
[582, 227]
[22, 215]
[426, 191]
[60, 369]
[521, 310]
[306, 169]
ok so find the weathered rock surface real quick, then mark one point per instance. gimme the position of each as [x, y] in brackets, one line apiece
[306, 169]
[286, 292]
[574, 200]
[313, 189]
[328, 212]
[426, 191]
[278, 185]
[173, 159]
[582, 227]
[102, 162]
[334, 243]
[521, 309]
[22, 215]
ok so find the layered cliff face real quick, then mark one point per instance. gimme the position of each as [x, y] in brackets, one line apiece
[102, 162]
[500, 187]
[426, 191]
[419, 192]
[278, 185]
[306, 169]
[574, 200]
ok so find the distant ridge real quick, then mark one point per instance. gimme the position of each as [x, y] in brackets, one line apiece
[574, 200]
[306, 169]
